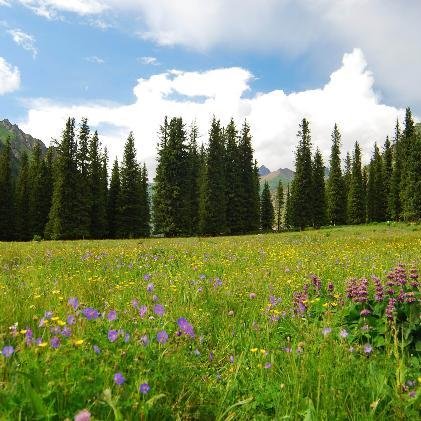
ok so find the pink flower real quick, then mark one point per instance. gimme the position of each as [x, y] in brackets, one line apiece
[83, 415]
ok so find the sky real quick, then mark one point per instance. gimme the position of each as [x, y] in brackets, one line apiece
[125, 64]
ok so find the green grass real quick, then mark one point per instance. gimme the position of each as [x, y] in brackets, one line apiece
[324, 381]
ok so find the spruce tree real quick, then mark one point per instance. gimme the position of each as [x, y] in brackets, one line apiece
[387, 173]
[267, 213]
[302, 184]
[249, 187]
[213, 218]
[394, 200]
[233, 180]
[63, 216]
[365, 192]
[347, 180]
[376, 203]
[7, 207]
[34, 180]
[319, 191]
[131, 201]
[193, 185]
[114, 202]
[335, 188]
[289, 217]
[279, 205]
[22, 193]
[356, 205]
[145, 208]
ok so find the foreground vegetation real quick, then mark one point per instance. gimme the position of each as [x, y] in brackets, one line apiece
[216, 328]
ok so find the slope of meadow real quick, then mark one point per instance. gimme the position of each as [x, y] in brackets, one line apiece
[211, 328]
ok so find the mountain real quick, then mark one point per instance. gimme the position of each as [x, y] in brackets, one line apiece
[19, 141]
[284, 174]
[263, 171]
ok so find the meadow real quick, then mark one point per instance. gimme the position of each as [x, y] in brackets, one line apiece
[255, 327]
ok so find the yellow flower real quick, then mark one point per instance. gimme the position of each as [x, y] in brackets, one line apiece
[55, 318]
[253, 350]
[42, 344]
[79, 342]
[61, 323]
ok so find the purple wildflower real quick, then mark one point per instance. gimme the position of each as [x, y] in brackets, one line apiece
[119, 379]
[365, 312]
[162, 337]
[83, 415]
[112, 335]
[150, 287]
[48, 314]
[368, 349]
[146, 277]
[142, 311]
[127, 337]
[55, 342]
[144, 388]
[185, 327]
[343, 333]
[73, 302]
[144, 340]
[66, 331]
[96, 349]
[159, 309]
[90, 313]
[217, 283]
[390, 309]
[7, 351]
[71, 320]
[326, 331]
[112, 315]
[268, 365]
[135, 303]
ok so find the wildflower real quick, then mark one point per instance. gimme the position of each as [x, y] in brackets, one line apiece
[150, 287]
[71, 320]
[112, 335]
[66, 331]
[368, 349]
[343, 333]
[48, 314]
[268, 365]
[90, 313]
[185, 327]
[78, 342]
[142, 311]
[112, 315]
[8, 351]
[73, 302]
[211, 356]
[144, 388]
[365, 312]
[135, 303]
[146, 277]
[119, 379]
[231, 313]
[162, 337]
[326, 331]
[196, 352]
[231, 359]
[252, 295]
[55, 342]
[144, 340]
[96, 349]
[217, 283]
[83, 415]
[159, 309]
[155, 298]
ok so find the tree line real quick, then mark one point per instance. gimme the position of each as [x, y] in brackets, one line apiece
[202, 190]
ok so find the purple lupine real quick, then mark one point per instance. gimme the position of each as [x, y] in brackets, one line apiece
[162, 337]
[90, 313]
[159, 309]
[8, 351]
[143, 310]
[144, 388]
[112, 335]
[112, 315]
[119, 379]
[185, 327]
[73, 302]
[55, 342]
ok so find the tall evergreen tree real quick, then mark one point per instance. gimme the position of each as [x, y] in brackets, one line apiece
[279, 205]
[319, 191]
[131, 200]
[365, 192]
[145, 208]
[394, 200]
[233, 180]
[249, 186]
[387, 173]
[335, 189]
[84, 190]
[347, 180]
[213, 218]
[288, 209]
[172, 199]
[302, 184]
[267, 213]
[34, 179]
[193, 185]
[97, 164]
[63, 220]
[356, 205]
[376, 204]
[114, 202]
[6, 194]
[23, 223]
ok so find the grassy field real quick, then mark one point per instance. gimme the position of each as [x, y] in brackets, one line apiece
[208, 328]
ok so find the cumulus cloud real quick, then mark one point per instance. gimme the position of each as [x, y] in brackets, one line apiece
[26, 41]
[348, 98]
[9, 77]
[95, 60]
[149, 60]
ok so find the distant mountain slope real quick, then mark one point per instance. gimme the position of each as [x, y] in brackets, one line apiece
[263, 171]
[19, 141]
[284, 174]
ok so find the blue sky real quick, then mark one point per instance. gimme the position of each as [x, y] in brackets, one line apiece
[87, 57]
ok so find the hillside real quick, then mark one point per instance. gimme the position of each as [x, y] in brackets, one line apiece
[284, 174]
[20, 142]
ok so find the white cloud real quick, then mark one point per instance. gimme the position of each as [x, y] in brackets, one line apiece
[9, 77]
[4, 3]
[95, 60]
[347, 98]
[26, 41]
[149, 60]
[51, 8]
